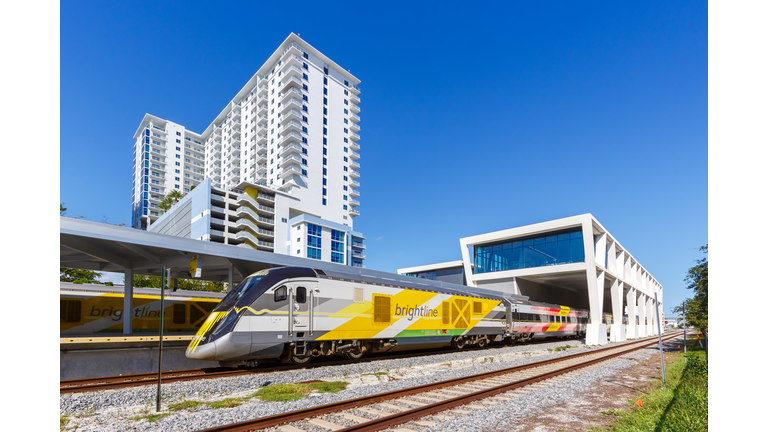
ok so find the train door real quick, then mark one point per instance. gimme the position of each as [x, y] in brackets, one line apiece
[301, 297]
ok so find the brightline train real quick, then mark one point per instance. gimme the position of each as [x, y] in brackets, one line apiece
[295, 313]
[98, 309]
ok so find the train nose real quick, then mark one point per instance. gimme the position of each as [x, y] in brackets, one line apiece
[201, 352]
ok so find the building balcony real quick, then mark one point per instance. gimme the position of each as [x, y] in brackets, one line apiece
[354, 203]
[354, 108]
[354, 174]
[354, 118]
[293, 71]
[291, 170]
[260, 244]
[358, 245]
[354, 156]
[291, 92]
[261, 119]
[293, 114]
[291, 148]
[262, 110]
[292, 60]
[354, 193]
[290, 137]
[158, 136]
[358, 255]
[260, 148]
[262, 139]
[354, 146]
[354, 184]
[261, 129]
[292, 159]
[262, 197]
[292, 82]
[354, 99]
[354, 165]
[261, 91]
[354, 127]
[292, 125]
[261, 169]
[261, 159]
[289, 104]
[353, 136]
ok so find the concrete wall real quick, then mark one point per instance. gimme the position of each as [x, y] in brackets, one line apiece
[124, 361]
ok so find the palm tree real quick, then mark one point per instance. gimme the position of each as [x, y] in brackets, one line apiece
[175, 195]
[166, 203]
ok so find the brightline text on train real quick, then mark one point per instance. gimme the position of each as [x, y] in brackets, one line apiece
[411, 312]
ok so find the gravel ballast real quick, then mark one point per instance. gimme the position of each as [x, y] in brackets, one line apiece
[113, 409]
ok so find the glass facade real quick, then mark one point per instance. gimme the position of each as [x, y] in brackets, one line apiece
[314, 243]
[559, 247]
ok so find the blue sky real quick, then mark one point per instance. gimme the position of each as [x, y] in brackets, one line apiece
[474, 119]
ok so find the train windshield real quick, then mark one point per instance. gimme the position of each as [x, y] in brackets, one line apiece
[239, 291]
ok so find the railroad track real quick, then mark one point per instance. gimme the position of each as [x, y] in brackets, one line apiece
[135, 380]
[401, 406]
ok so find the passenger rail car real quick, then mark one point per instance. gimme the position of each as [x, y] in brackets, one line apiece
[296, 313]
[89, 309]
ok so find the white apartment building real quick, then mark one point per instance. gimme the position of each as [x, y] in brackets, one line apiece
[293, 128]
[166, 157]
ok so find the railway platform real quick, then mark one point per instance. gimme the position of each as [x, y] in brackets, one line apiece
[94, 356]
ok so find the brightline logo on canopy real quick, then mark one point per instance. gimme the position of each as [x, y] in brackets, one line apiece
[411, 312]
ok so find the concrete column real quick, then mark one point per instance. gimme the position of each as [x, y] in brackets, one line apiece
[231, 277]
[128, 302]
[642, 329]
[600, 249]
[620, 265]
[597, 333]
[651, 314]
[631, 313]
[618, 332]
[611, 264]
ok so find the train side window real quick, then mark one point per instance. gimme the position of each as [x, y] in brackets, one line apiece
[477, 308]
[381, 309]
[179, 313]
[446, 309]
[280, 294]
[70, 310]
[544, 318]
[301, 295]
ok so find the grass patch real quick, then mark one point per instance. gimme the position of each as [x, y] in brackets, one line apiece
[376, 373]
[682, 406]
[150, 417]
[63, 420]
[446, 364]
[289, 392]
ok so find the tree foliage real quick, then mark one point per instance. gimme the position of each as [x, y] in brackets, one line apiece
[697, 308]
[80, 276]
[146, 281]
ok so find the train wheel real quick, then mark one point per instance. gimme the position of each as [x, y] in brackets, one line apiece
[458, 343]
[294, 359]
[482, 342]
[355, 354]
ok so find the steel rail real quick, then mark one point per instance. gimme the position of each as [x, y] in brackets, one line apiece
[384, 422]
[135, 380]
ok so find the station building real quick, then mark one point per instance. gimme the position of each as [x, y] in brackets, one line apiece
[572, 261]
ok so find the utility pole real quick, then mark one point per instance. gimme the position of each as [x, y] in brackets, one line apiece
[163, 279]
[661, 347]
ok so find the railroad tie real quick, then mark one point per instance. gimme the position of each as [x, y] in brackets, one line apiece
[431, 397]
[460, 411]
[441, 417]
[454, 392]
[412, 402]
[325, 424]
[353, 417]
[370, 411]
[477, 407]
[403, 430]
[425, 423]
[289, 428]
[394, 407]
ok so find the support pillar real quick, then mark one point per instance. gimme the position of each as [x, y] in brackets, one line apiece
[632, 313]
[231, 277]
[597, 332]
[128, 302]
[642, 329]
[651, 314]
[618, 332]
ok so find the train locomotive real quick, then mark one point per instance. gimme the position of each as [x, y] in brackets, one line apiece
[296, 313]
